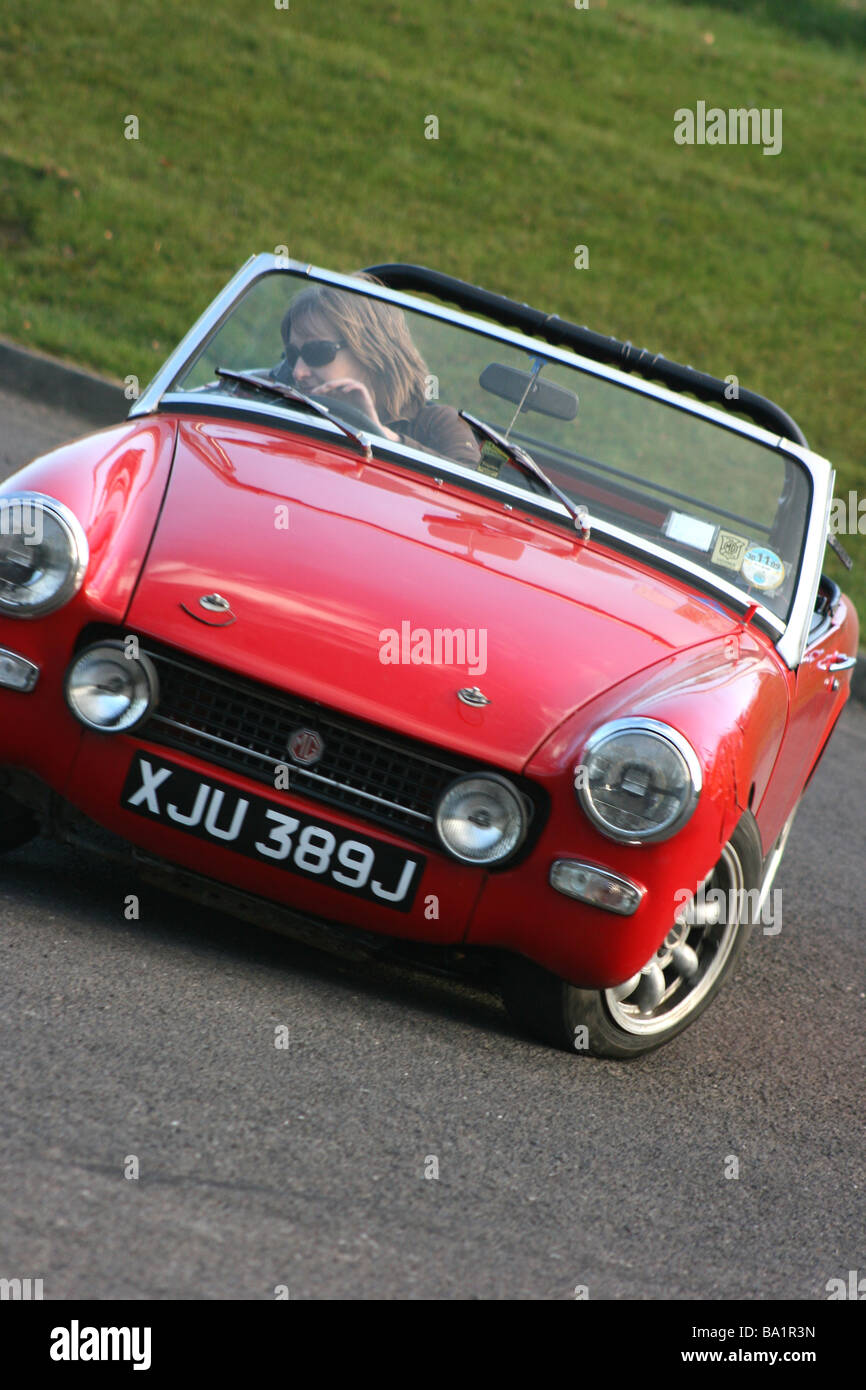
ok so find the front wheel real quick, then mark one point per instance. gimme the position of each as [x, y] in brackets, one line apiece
[673, 988]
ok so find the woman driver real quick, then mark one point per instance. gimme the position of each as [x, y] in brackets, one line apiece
[359, 350]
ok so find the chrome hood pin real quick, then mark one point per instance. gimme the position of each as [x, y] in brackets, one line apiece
[216, 604]
[471, 695]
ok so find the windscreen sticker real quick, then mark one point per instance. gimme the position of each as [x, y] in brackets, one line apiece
[689, 530]
[730, 550]
[762, 568]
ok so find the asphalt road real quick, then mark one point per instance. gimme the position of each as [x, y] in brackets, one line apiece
[304, 1167]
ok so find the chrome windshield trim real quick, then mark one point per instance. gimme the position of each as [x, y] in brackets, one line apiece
[258, 266]
[192, 341]
[792, 636]
[793, 643]
[274, 762]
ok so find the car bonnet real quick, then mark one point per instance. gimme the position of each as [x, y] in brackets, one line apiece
[385, 595]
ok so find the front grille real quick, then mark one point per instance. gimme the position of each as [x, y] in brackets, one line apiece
[246, 727]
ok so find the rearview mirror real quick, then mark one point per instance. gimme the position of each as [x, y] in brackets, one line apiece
[510, 383]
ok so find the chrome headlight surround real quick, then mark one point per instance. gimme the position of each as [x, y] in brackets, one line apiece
[135, 679]
[679, 755]
[72, 538]
[502, 797]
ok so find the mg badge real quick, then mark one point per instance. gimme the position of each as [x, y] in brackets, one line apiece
[305, 747]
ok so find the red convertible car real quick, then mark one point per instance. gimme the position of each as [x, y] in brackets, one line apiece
[402, 615]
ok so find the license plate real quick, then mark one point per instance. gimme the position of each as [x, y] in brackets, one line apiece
[272, 834]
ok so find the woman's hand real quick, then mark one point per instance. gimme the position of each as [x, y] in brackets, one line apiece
[357, 394]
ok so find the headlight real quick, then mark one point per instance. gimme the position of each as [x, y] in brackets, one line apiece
[110, 691]
[638, 780]
[43, 554]
[481, 819]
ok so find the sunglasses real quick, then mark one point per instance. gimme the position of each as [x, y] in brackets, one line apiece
[318, 352]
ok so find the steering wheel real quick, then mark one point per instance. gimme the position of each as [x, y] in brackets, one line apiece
[350, 413]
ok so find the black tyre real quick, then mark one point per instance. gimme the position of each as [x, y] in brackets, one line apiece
[17, 825]
[672, 989]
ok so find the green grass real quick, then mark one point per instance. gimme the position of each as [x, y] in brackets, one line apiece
[305, 127]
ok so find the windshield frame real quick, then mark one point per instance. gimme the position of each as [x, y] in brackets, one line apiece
[789, 638]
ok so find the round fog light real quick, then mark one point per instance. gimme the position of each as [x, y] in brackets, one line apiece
[110, 691]
[481, 819]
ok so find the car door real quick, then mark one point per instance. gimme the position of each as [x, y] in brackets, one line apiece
[819, 688]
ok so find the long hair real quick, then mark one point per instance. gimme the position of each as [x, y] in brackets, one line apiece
[377, 334]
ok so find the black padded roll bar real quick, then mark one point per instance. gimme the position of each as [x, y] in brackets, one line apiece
[561, 333]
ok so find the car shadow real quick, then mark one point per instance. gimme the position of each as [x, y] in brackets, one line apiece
[65, 881]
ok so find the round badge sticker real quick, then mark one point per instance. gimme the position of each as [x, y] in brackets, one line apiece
[762, 568]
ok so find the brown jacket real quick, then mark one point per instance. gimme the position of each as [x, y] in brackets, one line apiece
[439, 429]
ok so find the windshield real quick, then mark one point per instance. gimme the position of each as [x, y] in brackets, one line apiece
[697, 490]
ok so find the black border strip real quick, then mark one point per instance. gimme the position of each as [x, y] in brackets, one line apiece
[561, 333]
